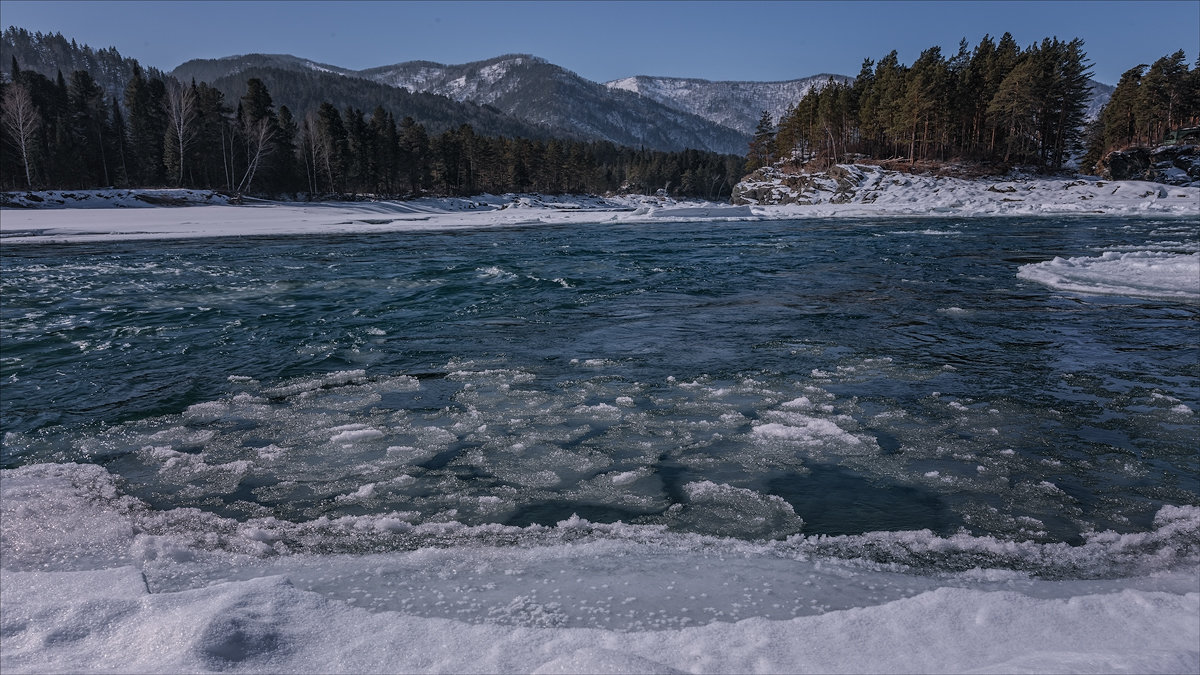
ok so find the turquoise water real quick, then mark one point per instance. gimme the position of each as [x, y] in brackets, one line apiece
[753, 380]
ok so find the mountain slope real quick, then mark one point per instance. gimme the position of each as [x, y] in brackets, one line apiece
[207, 70]
[302, 85]
[542, 93]
[737, 105]
[304, 91]
[539, 99]
[50, 54]
[1100, 94]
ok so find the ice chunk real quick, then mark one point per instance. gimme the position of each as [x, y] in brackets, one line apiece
[1151, 274]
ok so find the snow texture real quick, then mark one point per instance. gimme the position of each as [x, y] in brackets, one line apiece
[95, 581]
[737, 105]
[868, 190]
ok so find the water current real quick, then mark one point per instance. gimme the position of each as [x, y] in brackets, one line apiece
[752, 379]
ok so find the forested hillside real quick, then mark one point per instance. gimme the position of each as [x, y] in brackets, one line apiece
[305, 91]
[52, 53]
[66, 133]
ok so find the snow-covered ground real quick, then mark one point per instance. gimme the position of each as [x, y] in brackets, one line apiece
[856, 191]
[94, 216]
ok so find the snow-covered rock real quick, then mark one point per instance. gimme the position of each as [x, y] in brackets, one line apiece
[863, 189]
[1169, 164]
[110, 198]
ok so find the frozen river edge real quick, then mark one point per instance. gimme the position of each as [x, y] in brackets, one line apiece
[86, 589]
[63, 217]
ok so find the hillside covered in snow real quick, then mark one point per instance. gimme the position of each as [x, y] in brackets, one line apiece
[539, 92]
[737, 105]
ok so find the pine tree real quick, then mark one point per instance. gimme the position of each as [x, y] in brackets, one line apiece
[1119, 117]
[118, 133]
[332, 137]
[762, 146]
[147, 126]
[89, 117]
[1064, 102]
[1011, 110]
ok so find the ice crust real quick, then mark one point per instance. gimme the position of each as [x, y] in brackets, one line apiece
[1152, 274]
[93, 580]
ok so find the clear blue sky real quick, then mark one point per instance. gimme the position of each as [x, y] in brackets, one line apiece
[607, 40]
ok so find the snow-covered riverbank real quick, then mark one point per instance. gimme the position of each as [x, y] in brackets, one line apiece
[94, 581]
[871, 190]
[856, 191]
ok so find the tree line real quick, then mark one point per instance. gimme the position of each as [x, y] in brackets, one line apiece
[67, 133]
[994, 103]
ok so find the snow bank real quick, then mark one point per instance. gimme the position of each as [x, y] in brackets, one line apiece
[105, 620]
[92, 216]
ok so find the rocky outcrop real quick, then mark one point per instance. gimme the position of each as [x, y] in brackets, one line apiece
[769, 185]
[837, 184]
[1169, 164]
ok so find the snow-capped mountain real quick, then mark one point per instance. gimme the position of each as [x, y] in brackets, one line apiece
[302, 85]
[1100, 94]
[736, 105]
[537, 91]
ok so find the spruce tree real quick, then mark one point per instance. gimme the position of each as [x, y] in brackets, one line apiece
[762, 146]
[285, 171]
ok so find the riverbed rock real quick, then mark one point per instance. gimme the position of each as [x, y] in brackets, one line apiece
[1168, 164]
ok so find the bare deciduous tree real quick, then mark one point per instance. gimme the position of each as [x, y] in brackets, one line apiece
[21, 120]
[258, 146]
[180, 106]
[312, 145]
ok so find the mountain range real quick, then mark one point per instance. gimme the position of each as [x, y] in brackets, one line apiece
[523, 87]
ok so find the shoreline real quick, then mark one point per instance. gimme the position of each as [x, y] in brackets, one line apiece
[71, 216]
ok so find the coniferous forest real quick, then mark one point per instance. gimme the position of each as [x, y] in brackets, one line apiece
[65, 133]
[996, 103]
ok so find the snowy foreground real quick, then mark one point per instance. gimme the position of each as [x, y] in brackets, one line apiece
[859, 192]
[93, 581]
